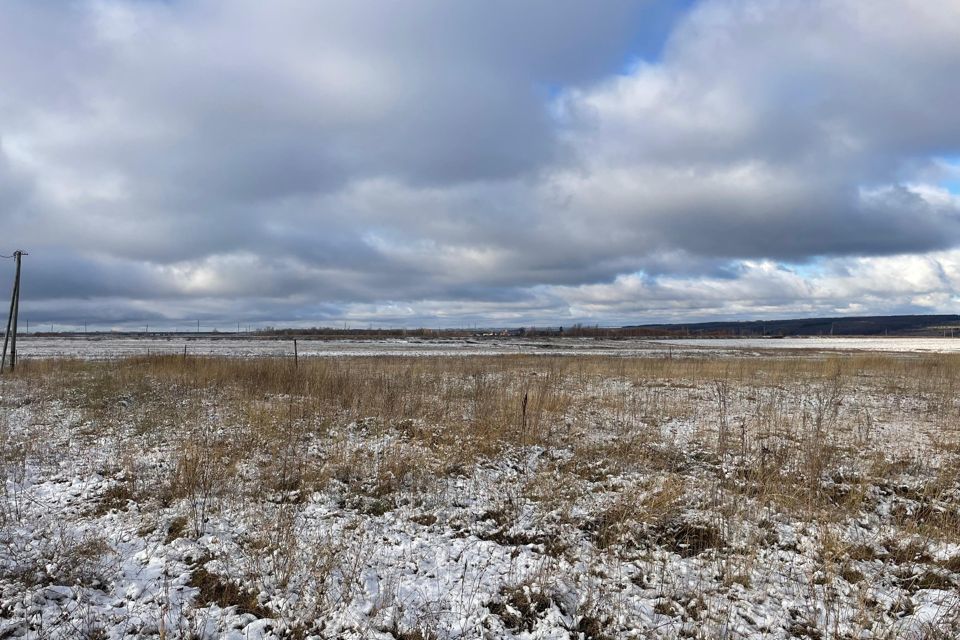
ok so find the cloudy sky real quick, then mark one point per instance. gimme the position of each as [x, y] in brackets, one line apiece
[491, 162]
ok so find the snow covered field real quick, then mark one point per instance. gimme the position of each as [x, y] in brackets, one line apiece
[894, 345]
[109, 347]
[730, 496]
[106, 347]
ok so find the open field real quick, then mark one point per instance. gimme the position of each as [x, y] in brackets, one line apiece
[104, 346]
[108, 347]
[715, 495]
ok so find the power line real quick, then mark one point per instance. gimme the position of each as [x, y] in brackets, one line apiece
[10, 337]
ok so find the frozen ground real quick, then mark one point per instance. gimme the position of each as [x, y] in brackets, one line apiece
[105, 347]
[511, 497]
[894, 345]
[108, 347]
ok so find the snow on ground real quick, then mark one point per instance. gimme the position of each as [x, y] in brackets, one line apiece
[155, 503]
[106, 347]
[893, 345]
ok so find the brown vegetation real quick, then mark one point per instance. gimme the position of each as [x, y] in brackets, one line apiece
[699, 458]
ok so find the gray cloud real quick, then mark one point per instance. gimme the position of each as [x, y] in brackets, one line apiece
[476, 162]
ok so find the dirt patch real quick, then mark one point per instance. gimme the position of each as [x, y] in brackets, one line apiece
[928, 580]
[687, 539]
[424, 519]
[216, 590]
[911, 551]
[521, 608]
[863, 553]
[116, 498]
[591, 628]
[550, 544]
[175, 529]
[952, 564]
[413, 634]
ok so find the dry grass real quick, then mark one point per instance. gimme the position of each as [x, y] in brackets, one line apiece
[701, 458]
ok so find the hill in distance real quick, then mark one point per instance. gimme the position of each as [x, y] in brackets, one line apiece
[914, 325]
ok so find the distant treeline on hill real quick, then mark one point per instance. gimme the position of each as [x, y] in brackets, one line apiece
[518, 332]
[916, 325]
[331, 332]
[912, 325]
[571, 331]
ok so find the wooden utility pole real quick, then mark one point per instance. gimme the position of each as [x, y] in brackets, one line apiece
[10, 336]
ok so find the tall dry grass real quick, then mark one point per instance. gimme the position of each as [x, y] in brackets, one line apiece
[616, 451]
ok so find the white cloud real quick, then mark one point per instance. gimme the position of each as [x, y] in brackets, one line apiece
[482, 160]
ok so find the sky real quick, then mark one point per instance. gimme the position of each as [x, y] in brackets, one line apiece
[480, 162]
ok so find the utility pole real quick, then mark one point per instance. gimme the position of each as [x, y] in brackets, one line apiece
[11, 334]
